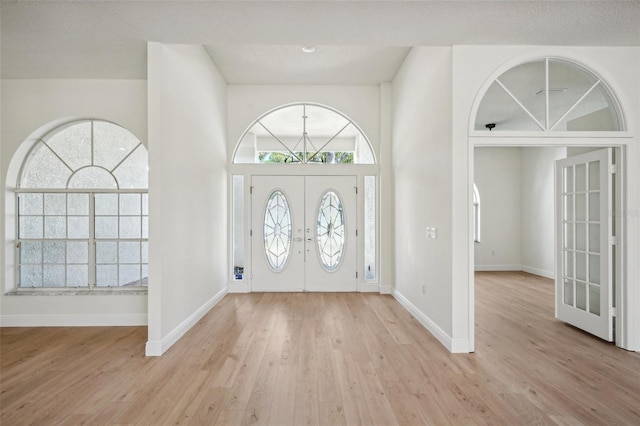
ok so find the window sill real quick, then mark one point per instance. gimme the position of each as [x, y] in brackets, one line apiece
[78, 292]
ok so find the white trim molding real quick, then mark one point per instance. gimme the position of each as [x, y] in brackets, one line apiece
[538, 271]
[386, 289]
[104, 320]
[158, 347]
[453, 345]
[484, 268]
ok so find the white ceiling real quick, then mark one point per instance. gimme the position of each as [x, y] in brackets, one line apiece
[258, 42]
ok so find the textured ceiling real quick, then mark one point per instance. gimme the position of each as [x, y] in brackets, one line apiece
[258, 41]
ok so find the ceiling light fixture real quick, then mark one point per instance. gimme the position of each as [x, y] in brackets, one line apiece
[308, 49]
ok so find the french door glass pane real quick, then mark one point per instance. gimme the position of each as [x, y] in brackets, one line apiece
[581, 295]
[581, 207]
[594, 268]
[594, 206]
[594, 176]
[594, 238]
[568, 292]
[581, 178]
[594, 299]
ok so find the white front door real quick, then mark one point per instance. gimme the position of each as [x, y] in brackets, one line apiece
[303, 233]
[584, 272]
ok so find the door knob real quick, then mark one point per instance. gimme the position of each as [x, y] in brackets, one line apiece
[309, 239]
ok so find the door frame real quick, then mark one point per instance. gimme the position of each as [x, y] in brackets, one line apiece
[619, 144]
[359, 171]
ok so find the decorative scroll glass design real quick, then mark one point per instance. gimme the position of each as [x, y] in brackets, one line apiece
[370, 228]
[83, 209]
[304, 134]
[330, 231]
[277, 231]
[548, 95]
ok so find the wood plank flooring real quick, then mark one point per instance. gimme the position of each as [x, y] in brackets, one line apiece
[326, 359]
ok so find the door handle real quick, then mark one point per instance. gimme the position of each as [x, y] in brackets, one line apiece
[309, 239]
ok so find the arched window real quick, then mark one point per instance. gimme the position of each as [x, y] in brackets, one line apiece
[548, 94]
[304, 133]
[83, 209]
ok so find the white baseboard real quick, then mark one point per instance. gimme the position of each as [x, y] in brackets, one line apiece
[482, 268]
[453, 345]
[239, 287]
[368, 288]
[73, 320]
[157, 348]
[540, 272]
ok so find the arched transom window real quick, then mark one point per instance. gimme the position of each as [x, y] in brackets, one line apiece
[304, 134]
[83, 209]
[547, 95]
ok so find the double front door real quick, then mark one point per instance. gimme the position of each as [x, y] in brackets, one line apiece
[303, 233]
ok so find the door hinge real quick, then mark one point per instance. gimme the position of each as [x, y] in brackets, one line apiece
[251, 232]
[613, 169]
[251, 190]
[356, 188]
[613, 312]
[356, 232]
[613, 240]
[356, 274]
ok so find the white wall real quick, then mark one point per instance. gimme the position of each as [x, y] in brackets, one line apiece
[187, 190]
[538, 194]
[29, 107]
[497, 176]
[421, 154]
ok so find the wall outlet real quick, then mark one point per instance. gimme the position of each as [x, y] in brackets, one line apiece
[432, 232]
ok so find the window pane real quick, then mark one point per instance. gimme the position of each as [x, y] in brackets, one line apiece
[145, 204]
[53, 275]
[145, 275]
[30, 276]
[594, 300]
[77, 276]
[370, 228]
[54, 252]
[593, 113]
[594, 176]
[581, 295]
[130, 204]
[73, 144]
[55, 227]
[145, 252]
[498, 108]
[106, 204]
[78, 204]
[44, 170]
[568, 292]
[130, 275]
[106, 275]
[30, 227]
[594, 268]
[77, 252]
[129, 252]
[30, 252]
[130, 227]
[30, 204]
[55, 204]
[106, 227]
[92, 177]
[78, 227]
[111, 143]
[132, 173]
[594, 206]
[107, 252]
[145, 227]
[594, 238]
[532, 94]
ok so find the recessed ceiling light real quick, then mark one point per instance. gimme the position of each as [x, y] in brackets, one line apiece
[308, 49]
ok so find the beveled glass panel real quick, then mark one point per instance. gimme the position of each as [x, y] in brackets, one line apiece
[78, 204]
[130, 227]
[581, 236]
[129, 275]
[30, 276]
[55, 204]
[30, 204]
[568, 207]
[130, 204]
[106, 227]
[594, 206]
[594, 238]
[594, 269]
[43, 169]
[581, 266]
[53, 275]
[106, 252]
[54, 252]
[78, 252]
[133, 172]
[129, 252]
[581, 178]
[77, 276]
[581, 295]
[30, 252]
[568, 179]
[568, 236]
[498, 108]
[594, 176]
[106, 204]
[30, 227]
[277, 230]
[73, 144]
[78, 227]
[92, 177]
[568, 264]
[581, 207]
[568, 292]
[111, 143]
[107, 275]
[594, 299]
[55, 227]
[330, 231]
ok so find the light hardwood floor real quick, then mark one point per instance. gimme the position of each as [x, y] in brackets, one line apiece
[312, 358]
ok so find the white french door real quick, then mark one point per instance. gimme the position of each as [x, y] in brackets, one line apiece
[585, 268]
[303, 233]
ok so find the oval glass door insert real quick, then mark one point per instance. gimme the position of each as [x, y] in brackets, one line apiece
[330, 231]
[277, 231]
